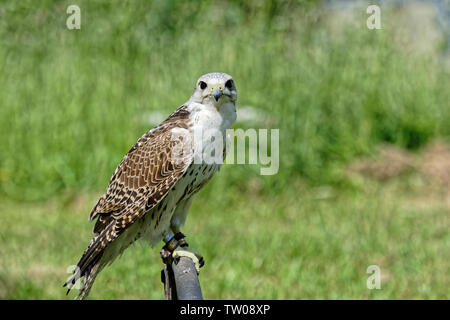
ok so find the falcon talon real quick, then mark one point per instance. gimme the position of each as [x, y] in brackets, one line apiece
[191, 254]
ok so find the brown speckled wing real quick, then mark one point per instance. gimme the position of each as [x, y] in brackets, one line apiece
[143, 178]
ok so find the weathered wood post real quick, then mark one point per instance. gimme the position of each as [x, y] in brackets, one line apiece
[180, 278]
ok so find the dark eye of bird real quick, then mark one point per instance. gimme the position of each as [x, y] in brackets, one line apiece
[229, 84]
[203, 85]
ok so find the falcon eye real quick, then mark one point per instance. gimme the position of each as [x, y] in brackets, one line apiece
[202, 85]
[229, 84]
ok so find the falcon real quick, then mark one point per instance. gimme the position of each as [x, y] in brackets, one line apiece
[151, 190]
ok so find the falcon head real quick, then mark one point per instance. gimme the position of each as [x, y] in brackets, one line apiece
[215, 88]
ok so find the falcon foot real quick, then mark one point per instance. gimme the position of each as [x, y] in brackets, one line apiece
[189, 253]
[178, 246]
[184, 251]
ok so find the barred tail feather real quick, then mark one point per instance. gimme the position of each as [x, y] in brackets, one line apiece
[88, 282]
[90, 264]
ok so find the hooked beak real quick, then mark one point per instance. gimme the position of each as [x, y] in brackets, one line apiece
[217, 93]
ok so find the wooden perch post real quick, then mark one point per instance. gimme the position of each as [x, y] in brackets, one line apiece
[180, 278]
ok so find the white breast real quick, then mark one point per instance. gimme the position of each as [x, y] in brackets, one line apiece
[208, 117]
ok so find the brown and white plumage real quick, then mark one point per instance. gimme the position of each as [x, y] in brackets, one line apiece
[152, 188]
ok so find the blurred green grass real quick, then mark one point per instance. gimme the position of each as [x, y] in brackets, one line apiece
[255, 248]
[73, 102]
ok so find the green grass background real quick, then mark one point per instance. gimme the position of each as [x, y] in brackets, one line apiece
[73, 102]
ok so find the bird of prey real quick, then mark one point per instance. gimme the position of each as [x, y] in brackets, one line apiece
[151, 190]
